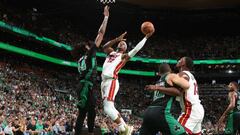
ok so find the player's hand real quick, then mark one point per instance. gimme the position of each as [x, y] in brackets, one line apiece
[106, 11]
[150, 87]
[149, 34]
[121, 37]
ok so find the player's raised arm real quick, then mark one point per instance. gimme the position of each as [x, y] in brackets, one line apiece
[102, 29]
[107, 48]
[137, 48]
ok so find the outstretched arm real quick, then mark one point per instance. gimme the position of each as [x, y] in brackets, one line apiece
[107, 48]
[137, 48]
[102, 29]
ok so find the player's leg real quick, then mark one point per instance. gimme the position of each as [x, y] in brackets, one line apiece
[148, 125]
[144, 129]
[187, 122]
[111, 88]
[91, 117]
[83, 97]
[229, 125]
[174, 127]
[236, 124]
[80, 119]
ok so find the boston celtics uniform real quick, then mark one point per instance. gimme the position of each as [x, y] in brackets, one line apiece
[87, 67]
[233, 119]
[158, 116]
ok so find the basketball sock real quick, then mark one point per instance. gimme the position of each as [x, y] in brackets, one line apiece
[122, 121]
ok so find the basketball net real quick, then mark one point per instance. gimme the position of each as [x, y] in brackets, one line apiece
[107, 1]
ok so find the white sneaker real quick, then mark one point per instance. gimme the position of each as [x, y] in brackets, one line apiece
[129, 130]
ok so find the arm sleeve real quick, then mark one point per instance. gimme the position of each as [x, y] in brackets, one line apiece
[138, 47]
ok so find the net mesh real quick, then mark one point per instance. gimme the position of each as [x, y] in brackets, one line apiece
[107, 1]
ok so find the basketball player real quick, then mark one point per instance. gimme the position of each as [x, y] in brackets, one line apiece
[87, 67]
[159, 115]
[192, 109]
[232, 113]
[115, 60]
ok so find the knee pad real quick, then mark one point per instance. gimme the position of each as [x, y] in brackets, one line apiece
[110, 110]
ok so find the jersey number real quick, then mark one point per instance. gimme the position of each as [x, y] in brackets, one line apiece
[112, 58]
[195, 89]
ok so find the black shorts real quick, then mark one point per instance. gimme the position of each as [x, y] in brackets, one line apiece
[156, 119]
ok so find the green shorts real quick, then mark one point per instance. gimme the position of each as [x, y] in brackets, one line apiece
[233, 124]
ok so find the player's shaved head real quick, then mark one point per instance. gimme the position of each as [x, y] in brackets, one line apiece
[80, 49]
[185, 63]
[188, 62]
[122, 46]
[164, 68]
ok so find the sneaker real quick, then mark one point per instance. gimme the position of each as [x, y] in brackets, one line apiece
[129, 130]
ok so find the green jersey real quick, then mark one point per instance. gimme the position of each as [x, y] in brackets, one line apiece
[164, 100]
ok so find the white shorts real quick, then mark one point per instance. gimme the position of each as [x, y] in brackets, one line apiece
[109, 89]
[192, 119]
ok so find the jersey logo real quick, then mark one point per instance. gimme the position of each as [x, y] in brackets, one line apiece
[176, 128]
[82, 64]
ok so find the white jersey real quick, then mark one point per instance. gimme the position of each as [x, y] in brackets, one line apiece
[190, 96]
[112, 65]
[192, 110]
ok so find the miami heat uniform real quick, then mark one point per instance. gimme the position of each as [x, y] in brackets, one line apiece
[192, 109]
[111, 67]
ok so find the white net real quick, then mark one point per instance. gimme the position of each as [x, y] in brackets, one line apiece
[107, 1]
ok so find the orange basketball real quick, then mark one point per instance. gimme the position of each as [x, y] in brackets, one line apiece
[147, 27]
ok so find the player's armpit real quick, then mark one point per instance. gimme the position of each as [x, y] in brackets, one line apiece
[126, 57]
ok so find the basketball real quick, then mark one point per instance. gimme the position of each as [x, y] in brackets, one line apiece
[147, 27]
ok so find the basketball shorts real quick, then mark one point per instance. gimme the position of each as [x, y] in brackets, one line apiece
[232, 125]
[156, 120]
[192, 119]
[109, 89]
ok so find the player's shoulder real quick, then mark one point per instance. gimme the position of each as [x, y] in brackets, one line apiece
[112, 53]
[171, 75]
[184, 75]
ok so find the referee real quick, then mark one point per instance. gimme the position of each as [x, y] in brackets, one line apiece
[87, 67]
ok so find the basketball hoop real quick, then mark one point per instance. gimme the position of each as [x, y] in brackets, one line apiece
[106, 1]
